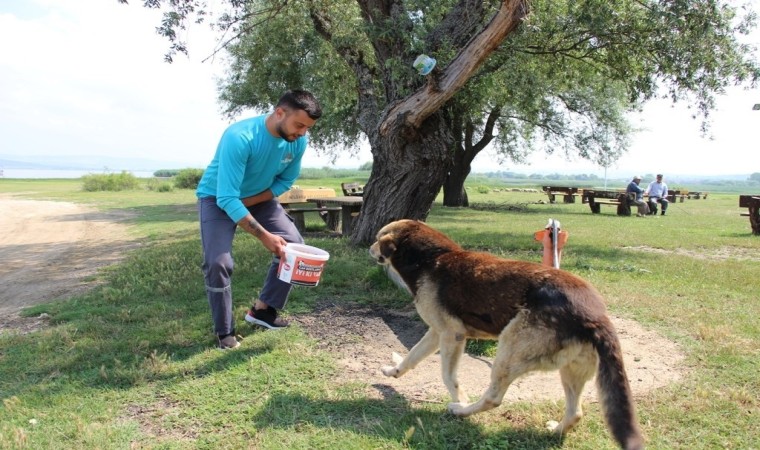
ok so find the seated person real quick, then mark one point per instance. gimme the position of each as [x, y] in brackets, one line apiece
[658, 193]
[633, 186]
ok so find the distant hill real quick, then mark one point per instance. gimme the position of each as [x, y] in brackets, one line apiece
[87, 162]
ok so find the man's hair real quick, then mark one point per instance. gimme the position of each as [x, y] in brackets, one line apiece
[659, 175]
[300, 99]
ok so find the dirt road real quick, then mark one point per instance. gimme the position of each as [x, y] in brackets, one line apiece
[48, 250]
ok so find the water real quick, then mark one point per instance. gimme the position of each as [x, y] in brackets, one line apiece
[38, 173]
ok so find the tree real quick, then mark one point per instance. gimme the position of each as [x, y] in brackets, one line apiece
[755, 176]
[557, 76]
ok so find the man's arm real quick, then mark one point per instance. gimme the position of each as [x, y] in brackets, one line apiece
[273, 243]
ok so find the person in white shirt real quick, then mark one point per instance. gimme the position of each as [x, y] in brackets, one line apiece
[658, 193]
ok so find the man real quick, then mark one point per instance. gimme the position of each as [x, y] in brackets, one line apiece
[633, 186]
[658, 193]
[257, 159]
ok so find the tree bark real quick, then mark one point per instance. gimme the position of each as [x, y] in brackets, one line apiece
[454, 193]
[407, 175]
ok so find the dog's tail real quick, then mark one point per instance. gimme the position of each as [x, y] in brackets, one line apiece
[617, 400]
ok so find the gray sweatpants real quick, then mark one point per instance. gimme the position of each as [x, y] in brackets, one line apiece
[217, 233]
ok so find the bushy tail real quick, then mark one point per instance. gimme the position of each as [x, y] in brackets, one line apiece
[614, 389]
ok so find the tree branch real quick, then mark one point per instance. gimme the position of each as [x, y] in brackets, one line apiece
[442, 85]
[458, 25]
[488, 136]
[389, 28]
[354, 57]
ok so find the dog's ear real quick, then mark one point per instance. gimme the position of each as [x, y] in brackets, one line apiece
[387, 247]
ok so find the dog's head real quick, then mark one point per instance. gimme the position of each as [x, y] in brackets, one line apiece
[384, 246]
[388, 239]
[413, 237]
[407, 248]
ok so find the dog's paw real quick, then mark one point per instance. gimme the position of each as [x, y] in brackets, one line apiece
[389, 371]
[552, 425]
[457, 409]
[393, 371]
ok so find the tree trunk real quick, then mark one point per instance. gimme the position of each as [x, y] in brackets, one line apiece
[454, 193]
[407, 174]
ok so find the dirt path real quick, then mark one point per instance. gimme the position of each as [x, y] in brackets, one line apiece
[49, 251]
[364, 338]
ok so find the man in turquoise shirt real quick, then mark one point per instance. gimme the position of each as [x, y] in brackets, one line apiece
[257, 159]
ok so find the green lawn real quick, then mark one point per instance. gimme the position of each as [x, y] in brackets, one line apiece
[131, 363]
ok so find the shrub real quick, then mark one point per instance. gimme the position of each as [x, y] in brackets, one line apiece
[154, 184]
[188, 178]
[483, 189]
[109, 182]
[165, 173]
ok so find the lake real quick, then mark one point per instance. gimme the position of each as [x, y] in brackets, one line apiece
[45, 173]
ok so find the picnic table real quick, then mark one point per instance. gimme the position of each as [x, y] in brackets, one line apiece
[696, 195]
[568, 193]
[677, 194]
[617, 197]
[297, 202]
[352, 189]
[752, 203]
[350, 207]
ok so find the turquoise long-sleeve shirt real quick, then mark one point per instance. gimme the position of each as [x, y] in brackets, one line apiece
[248, 161]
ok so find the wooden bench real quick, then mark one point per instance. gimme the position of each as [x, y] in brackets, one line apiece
[296, 205]
[676, 194]
[621, 199]
[752, 203]
[696, 195]
[568, 193]
[350, 207]
[352, 189]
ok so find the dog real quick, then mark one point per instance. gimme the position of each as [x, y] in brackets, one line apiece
[543, 319]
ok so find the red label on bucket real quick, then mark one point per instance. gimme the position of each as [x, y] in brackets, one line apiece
[302, 265]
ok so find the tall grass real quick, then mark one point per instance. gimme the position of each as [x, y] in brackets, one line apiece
[131, 363]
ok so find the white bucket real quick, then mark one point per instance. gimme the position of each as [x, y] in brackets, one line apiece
[302, 264]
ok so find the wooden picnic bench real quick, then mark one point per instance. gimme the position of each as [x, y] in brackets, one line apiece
[595, 198]
[297, 202]
[752, 203]
[568, 193]
[352, 189]
[676, 194]
[349, 207]
[696, 195]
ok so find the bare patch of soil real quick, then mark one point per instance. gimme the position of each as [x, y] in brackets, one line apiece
[719, 254]
[363, 339]
[50, 251]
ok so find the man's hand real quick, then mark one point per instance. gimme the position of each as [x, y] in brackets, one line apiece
[273, 243]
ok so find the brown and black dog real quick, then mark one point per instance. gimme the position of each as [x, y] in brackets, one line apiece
[543, 319]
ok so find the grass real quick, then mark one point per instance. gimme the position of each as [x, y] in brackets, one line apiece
[131, 363]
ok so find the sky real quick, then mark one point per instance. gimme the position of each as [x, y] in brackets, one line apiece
[87, 77]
